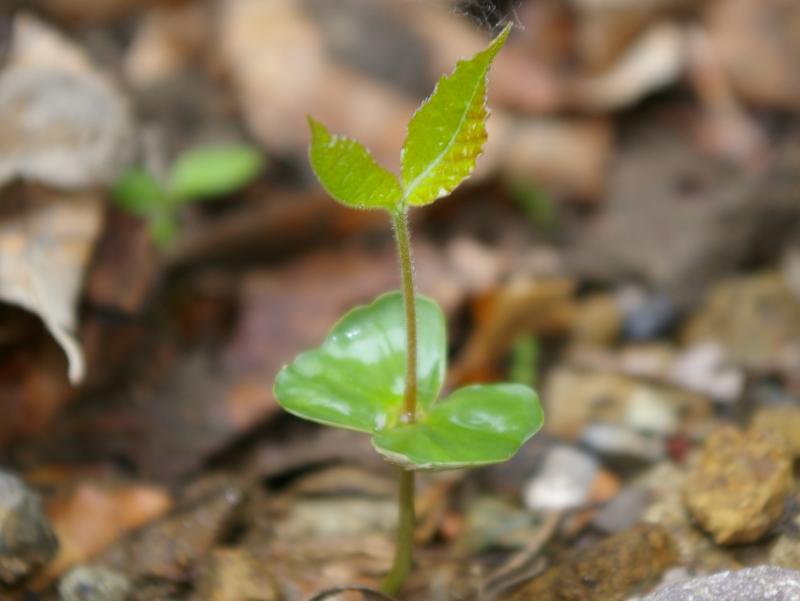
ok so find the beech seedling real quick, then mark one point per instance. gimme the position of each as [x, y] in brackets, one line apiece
[201, 173]
[382, 367]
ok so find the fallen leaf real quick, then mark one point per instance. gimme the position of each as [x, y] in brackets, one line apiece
[45, 244]
[61, 121]
[94, 515]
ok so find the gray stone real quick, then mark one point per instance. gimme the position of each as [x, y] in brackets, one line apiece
[564, 481]
[94, 583]
[752, 584]
[27, 541]
[623, 511]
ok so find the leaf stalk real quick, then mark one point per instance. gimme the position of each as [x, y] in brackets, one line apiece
[403, 553]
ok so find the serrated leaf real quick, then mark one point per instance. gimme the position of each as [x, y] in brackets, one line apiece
[476, 425]
[356, 378]
[447, 133]
[138, 193]
[212, 171]
[349, 173]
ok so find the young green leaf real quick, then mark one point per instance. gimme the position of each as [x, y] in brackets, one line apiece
[349, 173]
[476, 425]
[211, 171]
[138, 193]
[447, 133]
[356, 379]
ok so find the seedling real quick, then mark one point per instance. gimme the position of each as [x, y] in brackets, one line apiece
[199, 174]
[382, 366]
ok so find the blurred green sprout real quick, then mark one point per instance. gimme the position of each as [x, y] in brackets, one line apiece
[201, 173]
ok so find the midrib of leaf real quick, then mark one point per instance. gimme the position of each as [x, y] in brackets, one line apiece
[411, 188]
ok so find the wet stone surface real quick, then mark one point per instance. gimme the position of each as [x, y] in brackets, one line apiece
[763, 582]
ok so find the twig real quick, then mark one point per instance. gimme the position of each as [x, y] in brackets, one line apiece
[368, 593]
[524, 564]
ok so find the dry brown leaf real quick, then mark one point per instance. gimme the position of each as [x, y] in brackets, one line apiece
[94, 515]
[61, 121]
[45, 244]
[655, 60]
[758, 42]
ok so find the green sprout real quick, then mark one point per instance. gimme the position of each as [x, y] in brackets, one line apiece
[201, 173]
[382, 367]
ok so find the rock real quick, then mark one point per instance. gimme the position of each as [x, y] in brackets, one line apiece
[706, 369]
[92, 583]
[612, 570]
[651, 317]
[785, 552]
[564, 482]
[27, 541]
[492, 523]
[783, 421]
[762, 582]
[623, 444]
[234, 575]
[623, 511]
[577, 398]
[664, 483]
[756, 319]
[737, 488]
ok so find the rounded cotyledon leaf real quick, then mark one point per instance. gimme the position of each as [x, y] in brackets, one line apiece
[476, 425]
[356, 378]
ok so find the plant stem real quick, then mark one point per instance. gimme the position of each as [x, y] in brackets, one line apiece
[407, 269]
[403, 551]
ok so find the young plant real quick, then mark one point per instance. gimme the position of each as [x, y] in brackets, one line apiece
[198, 174]
[382, 366]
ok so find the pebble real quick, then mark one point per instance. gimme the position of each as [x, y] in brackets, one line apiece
[665, 483]
[94, 583]
[577, 398]
[737, 487]
[785, 552]
[564, 482]
[27, 541]
[620, 443]
[704, 368]
[492, 523]
[755, 318]
[751, 584]
[653, 317]
[623, 511]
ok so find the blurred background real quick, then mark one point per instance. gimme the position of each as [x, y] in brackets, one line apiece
[629, 245]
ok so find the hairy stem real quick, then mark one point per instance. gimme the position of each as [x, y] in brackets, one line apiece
[407, 269]
[403, 551]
